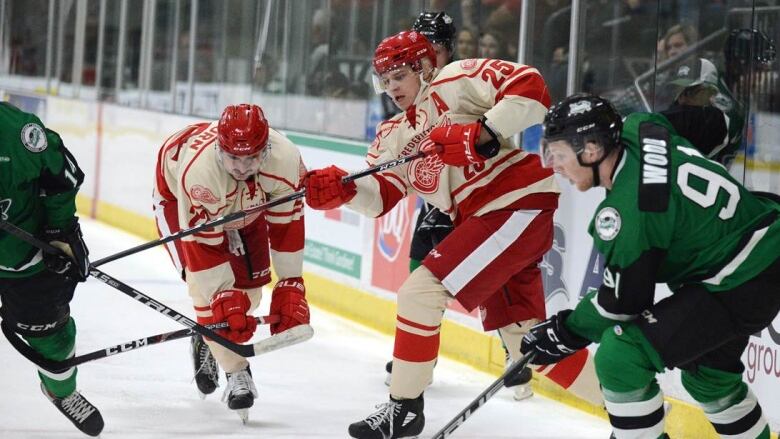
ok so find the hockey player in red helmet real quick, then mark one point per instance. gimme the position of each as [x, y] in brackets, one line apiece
[499, 197]
[211, 169]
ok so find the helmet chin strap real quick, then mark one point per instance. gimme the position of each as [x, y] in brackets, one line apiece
[596, 177]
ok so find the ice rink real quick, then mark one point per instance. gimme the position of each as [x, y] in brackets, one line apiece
[312, 390]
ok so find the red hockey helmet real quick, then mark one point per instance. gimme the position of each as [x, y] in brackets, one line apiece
[242, 130]
[404, 48]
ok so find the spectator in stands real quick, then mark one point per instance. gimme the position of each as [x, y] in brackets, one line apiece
[676, 40]
[466, 44]
[492, 46]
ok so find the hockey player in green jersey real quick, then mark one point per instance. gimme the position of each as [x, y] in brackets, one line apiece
[670, 216]
[39, 179]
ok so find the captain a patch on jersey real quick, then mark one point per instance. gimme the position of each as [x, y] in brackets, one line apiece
[34, 138]
[608, 223]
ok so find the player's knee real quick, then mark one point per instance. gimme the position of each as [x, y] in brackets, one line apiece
[621, 365]
[705, 384]
[421, 292]
[58, 344]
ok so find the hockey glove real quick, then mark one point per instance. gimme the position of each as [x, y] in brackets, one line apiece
[289, 303]
[551, 341]
[232, 306]
[458, 144]
[324, 189]
[74, 262]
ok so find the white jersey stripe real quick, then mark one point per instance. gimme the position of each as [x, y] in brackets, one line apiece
[474, 263]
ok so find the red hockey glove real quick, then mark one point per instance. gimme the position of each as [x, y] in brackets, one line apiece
[289, 303]
[324, 189]
[231, 306]
[457, 143]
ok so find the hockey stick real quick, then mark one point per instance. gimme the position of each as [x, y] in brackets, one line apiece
[61, 366]
[242, 213]
[289, 337]
[483, 397]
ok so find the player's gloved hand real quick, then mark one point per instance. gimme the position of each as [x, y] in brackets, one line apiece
[74, 263]
[324, 189]
[457, 144]
[289, 303]
[232, 306]
[551, 341]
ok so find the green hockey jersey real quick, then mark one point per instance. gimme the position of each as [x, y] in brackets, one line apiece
[675, 217]
[39, 179]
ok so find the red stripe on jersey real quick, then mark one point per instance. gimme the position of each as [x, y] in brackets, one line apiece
[388, 193]
[517, 176]
[568, 370]
[298, 208]
[394, 177]
[415, 348]
[416, 325]
[485, 173]
[530, 85]
[288, 237]
[187, 169]
[464, 75]
[276, 177]
[373, 156]
[202, 308]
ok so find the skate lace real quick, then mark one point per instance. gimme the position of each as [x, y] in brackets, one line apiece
[238, 383]
[386, 412]
[77, 407]
[207, 362]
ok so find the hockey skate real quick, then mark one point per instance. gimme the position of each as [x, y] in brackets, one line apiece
[205, 365]
[393, 419]
[78, 410]
[519, 384]
[240, 393]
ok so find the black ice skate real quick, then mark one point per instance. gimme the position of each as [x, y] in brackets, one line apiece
[240, 392]
[394, 419]
[79, 411]
[206, 368]
[519, 384]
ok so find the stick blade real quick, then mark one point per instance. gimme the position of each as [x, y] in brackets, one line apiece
[294, 335]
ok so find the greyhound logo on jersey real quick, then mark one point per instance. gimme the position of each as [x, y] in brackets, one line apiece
[608, 223]
[34, 138]
[579, 108]
[5, 206]
[552, 268]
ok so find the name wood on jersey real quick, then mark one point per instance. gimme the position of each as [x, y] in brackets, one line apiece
[655, 164]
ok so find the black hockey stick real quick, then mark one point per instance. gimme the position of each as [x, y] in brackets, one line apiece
[483, 397]
[61, 366]
[265, 206]
[289, 337]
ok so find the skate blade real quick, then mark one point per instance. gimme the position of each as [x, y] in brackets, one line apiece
[522, 392]
[243, 414]
[294, 335]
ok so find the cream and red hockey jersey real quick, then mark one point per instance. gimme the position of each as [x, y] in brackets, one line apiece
[189, 174]
[512, 97]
